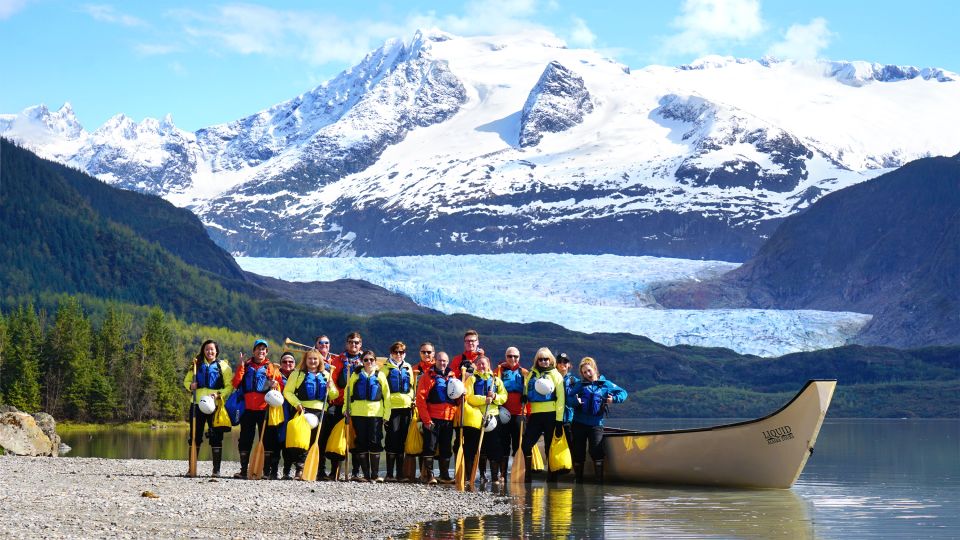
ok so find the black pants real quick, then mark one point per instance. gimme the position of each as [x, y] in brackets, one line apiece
[582, 435]
[332, 417]
[509, 435]
[214, 435]
[438, 439]
[397, 430]
[539, 425]
[369, 433]
[250, 422]
[491, 448]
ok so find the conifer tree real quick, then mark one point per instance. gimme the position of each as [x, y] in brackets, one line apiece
[115, 392]
[157, 354]
[20, 375]
[3, 347]
[70, 370]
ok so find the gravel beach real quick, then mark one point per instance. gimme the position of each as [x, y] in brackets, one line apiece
[104, 498]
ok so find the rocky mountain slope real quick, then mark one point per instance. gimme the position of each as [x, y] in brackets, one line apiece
[889, 247]
[443, 144]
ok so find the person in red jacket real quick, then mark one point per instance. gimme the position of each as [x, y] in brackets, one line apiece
[343, 366]
[436, 413]
[471, 350]
[254, 377]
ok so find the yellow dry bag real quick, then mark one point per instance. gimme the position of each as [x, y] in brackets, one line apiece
[274, 415]
[414, 443]
[337, 442]
[559, 458]
[298, 432]
[221, 419]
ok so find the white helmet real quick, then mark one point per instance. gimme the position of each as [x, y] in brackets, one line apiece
[544, 386]
[504, 415]
[491, 423]
[274, 398]
[455, 388]
[311, 419]
[207, 404]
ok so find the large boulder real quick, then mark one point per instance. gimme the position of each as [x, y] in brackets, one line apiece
[20, 434]
[48, 425]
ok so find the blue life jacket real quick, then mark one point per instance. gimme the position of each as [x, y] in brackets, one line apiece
[533, 395]
[255, 379]
[593, 396]
[312, 388]
[210, 375]
[512, 380]
[367, 388]
[398, 380]
[482, 386]
[344, 375]
[438, 394]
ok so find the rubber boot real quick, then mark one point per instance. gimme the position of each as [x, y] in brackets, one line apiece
[272, 463]
[298, 467]
[244, 462]
[401, 461]
[364, 459]
[528, 472]
[322, 469]
[445, 477]
[216, 454]
[427, 470]
[391, 461]
[495, 472]
[578, 473]
[375, 466]
[355, 473]
[482, 475]
[504, 471]
[598, 471]
[335, 470]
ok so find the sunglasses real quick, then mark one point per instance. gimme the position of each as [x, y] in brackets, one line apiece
[543, 359]
[400, 353]
[513, 356]
[426, 352]
[355, 341]
[323, 342]
[365, 360]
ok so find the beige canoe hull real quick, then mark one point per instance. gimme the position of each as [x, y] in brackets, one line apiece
[768, 452]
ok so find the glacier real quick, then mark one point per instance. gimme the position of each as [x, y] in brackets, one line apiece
[586, 293]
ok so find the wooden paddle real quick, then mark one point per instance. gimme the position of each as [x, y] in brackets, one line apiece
[312, 463]
[192, 464]
[460, 475]
[410, 462]
[519, 468]
[476, 457]
[255, 472]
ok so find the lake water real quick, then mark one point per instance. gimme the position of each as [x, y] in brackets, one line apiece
[866, 479]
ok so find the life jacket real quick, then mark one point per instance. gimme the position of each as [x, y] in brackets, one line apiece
[398, 380]
[312, 388]
[481, 386]
[344, 374]
[533, 395]
[438, 394]
[210, 375]
[512, 380]
[256, 379]
[593, 397]
[367, 387]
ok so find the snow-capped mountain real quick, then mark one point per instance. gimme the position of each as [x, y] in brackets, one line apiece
[446, 144]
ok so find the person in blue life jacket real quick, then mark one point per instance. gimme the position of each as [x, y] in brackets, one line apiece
[543, 390]
[214, 377]
[400, 380]
[254, 377]
[275, 436]
[590, 397]
[368, 408]
[569, 379]
[484, 394]
[437, 412]
[306, 390]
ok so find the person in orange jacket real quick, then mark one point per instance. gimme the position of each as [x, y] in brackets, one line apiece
[436, 412]
[254, 377]
[471, 350]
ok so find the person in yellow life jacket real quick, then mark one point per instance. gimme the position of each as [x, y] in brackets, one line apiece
[368, 408]
[543, 390]
[214, 376]
[484, 394]
[400, 380]
[307, 388]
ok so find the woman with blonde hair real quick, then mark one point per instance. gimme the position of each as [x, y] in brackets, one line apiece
[307, 388]
[543, 390]
[369, 407]
[484, 395]
[590, 397]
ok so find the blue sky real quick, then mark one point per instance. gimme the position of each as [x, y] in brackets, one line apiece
[212, 62]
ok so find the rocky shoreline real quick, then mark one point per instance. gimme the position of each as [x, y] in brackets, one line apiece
[127, 498]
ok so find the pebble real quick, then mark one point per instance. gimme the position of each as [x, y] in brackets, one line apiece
[109, 502]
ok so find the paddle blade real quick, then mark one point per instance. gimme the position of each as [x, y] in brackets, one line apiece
[311, 464]
[255, 471]
[409, 467]
[519, 469]
[192, 466]
[460, 475]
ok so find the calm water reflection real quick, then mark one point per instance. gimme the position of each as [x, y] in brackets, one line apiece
[866, 479]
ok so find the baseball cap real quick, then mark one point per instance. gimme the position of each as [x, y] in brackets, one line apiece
[260, 342]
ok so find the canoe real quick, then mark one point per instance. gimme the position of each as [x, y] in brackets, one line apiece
[768, 452]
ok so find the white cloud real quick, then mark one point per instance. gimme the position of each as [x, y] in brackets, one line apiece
[108, 14]
[9, 8]
[706, 24]
[803, 41]
[581, 35]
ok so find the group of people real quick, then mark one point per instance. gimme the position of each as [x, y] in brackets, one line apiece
[507, 407]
